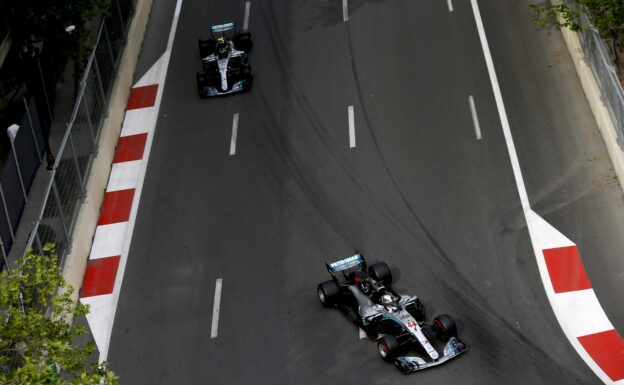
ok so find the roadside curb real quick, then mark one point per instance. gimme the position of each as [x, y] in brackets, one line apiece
[594, 98]
[84, 230]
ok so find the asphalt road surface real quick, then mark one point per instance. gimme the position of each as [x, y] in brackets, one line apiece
[419, 190]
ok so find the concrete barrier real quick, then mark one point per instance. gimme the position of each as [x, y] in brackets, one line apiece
[594, 97]
[82, 237]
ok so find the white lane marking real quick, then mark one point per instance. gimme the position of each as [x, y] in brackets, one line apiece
[345, 10]
[362, 333]
[246, 21]
[515, 164]
[216, 308]
[475, 118]
[351, 127]
[450, 5]
[234, 134]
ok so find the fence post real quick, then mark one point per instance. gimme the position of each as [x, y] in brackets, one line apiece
[121, 21]
[12, 137]
[59, 206]
[73, 149]
[88, 115]
[108, 42]
[4, 257]
[45, 90]
[6, 213]
[99, 79]
[32, 130]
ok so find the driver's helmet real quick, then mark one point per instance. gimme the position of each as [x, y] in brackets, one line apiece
[222, 47]
[389, 303]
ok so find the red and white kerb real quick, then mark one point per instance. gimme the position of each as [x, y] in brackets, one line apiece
[109, 252]
[574, 302]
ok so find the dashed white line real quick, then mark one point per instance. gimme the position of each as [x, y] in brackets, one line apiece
[475, 118]
[246, 21]
[450, 5]
[351, 127]
[215, 308]
[234, 134]
[362, 333]
[345, 10]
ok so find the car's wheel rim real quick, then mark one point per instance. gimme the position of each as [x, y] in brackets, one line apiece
[383, 352]
[321, 295]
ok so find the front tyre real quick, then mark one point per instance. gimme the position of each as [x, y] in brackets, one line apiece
[328, 292]
[380, 272]
[445, 326]
[387, 347]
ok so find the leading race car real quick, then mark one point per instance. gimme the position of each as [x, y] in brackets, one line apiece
[396, 322]
[225, 62]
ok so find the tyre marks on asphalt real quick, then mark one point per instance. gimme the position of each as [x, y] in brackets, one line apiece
[563, 275]
[216, 308]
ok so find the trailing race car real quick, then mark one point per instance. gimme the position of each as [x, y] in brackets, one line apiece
[396, 322]
[225, 62]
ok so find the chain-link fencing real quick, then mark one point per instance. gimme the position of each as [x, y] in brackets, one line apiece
[598, 59]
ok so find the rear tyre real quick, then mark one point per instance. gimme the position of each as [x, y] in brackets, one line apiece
[387, 347]
[206, 47]
[445, 326]
[243, 42]
[380, 272]
[328, 292]
[201, 83]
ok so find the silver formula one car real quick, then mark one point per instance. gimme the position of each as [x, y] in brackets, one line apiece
[225, 62]
[396, 322]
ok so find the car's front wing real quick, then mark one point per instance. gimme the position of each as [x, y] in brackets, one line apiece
[452, 349]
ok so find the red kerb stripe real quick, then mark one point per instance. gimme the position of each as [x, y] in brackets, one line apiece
[142, 97]
[130, 148]
[100, 277]
[566, 269]
[116, 207]
[607, 349]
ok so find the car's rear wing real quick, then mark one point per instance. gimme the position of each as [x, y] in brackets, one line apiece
[342, 269]
[221, 28]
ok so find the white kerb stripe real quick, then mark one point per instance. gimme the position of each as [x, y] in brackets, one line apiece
[135, 121]
[345, 10]
[234, 134]
[515, 164]
[351, 127]
[362, 333]
[216, 308]
[582, 312]
[108, 240]
[124, 175]
[450, 5]
[475, 118]
[246, 20]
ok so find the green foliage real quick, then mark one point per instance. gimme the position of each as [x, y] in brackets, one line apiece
[606, 15]
[36, 338]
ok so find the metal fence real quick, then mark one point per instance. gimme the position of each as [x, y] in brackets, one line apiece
[598, 59]
[66, 186]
